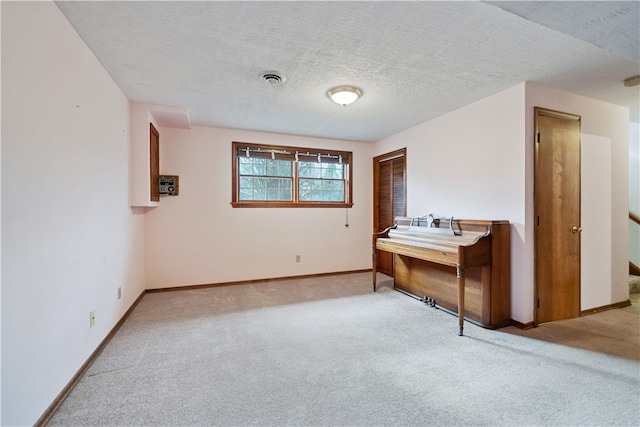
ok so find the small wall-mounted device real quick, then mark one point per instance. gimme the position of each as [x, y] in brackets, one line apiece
[169, 185]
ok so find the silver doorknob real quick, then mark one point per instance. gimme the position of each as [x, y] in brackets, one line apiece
[576, 229]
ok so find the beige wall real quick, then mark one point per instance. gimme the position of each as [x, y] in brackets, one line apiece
[477, 162]
[604, 191]
[69, 237]
[470, 163]
[634, 190]
[198, 238]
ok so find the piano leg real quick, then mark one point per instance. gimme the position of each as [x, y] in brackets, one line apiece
[460, 283]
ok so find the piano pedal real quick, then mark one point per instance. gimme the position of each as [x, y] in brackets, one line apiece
[429, 301]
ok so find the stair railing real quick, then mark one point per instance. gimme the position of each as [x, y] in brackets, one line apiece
[634, 244]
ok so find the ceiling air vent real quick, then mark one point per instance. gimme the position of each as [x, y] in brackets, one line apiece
[273, 78]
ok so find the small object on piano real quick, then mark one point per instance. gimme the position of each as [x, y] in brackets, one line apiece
[430, 219]
[455, 232]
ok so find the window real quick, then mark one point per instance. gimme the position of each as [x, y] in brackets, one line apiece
[278, 176]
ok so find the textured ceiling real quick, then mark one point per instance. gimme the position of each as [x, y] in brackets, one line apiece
[413, 60]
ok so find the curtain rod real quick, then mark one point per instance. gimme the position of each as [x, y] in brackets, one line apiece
[273, 152]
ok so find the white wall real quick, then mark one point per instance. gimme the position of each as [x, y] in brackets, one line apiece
[0, 224]
[140, 160]
[470, 164]
[634, 190]
[604, 191]
[595, 219]
[198, 238]
[69, 238]
[634, 167]
[477, 162]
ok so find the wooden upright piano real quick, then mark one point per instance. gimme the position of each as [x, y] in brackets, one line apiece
[460, 265]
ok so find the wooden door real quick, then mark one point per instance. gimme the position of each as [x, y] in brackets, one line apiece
[557, 215]
[154, 163]
[389, 197]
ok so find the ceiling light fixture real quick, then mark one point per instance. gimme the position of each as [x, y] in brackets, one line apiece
[632, 81]
[344, 95]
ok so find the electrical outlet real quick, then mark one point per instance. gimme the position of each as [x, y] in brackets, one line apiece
[119, 292]
[92, 318]
[297, 258]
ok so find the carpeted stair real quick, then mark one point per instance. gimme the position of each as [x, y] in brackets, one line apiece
[634, 284]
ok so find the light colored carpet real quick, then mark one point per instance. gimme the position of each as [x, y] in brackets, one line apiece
[614, 332]
[329, 352]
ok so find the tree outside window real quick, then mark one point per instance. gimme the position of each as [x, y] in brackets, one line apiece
[279, 176]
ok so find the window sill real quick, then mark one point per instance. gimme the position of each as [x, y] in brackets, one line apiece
[290, 205]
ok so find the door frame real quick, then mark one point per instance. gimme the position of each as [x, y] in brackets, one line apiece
[402, 152]
[396, 154]
[538, 111]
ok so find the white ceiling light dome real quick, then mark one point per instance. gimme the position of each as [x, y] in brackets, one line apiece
[344, 95]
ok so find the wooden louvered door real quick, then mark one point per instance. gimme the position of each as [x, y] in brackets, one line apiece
[389, 198]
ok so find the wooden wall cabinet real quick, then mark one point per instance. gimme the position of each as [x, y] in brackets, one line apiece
[154, 163]
[145, 148]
